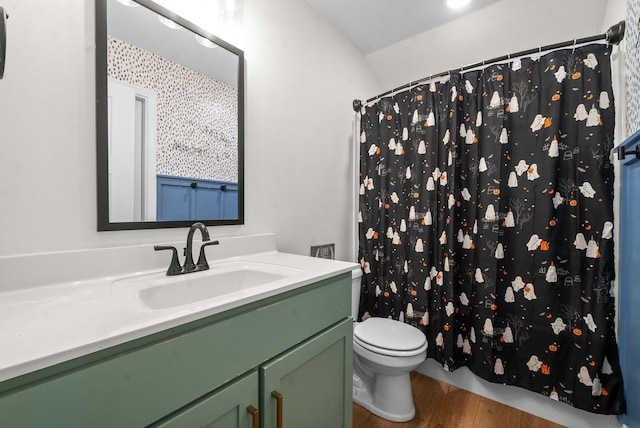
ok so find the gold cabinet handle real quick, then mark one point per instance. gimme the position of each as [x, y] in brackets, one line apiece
[255, 413]
[278, 397]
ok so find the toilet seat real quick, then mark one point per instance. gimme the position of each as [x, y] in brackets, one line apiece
[389, 337]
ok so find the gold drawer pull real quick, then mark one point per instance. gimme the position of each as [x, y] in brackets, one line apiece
[278, 397]
[255, 413]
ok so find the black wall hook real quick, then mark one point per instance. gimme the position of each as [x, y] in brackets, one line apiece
[622, 153]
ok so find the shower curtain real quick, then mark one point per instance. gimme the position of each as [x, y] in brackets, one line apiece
[486, 220]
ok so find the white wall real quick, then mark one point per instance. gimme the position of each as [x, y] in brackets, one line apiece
[300, 88]
[504, 27]
[301, 79]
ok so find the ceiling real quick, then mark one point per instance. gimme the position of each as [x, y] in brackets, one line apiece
[371, 25]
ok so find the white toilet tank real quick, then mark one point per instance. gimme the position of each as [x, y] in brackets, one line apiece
[356, 278]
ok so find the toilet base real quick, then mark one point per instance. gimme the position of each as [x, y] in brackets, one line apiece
[401, 400]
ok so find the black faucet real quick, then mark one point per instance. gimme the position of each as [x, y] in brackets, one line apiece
[189, 265]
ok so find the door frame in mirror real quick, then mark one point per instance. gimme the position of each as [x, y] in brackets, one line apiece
[102, 125]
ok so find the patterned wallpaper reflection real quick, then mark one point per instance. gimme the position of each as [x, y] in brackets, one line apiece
[197, 115]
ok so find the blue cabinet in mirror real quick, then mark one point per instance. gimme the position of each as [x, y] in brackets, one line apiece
[169, 102]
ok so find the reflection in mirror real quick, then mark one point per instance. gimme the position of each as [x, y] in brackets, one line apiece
[170, 120]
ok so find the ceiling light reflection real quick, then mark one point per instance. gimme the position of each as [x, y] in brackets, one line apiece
[457, 4]
[169, 23]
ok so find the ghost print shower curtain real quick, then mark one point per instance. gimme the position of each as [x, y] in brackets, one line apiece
[486, 220]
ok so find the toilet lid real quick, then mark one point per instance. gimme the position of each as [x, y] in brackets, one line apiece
[387, 334]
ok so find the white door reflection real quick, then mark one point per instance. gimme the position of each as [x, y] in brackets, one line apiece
[132, 152]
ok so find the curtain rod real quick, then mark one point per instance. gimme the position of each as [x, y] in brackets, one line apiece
[613, 35]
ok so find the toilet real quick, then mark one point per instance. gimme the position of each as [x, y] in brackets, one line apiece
[384, 352]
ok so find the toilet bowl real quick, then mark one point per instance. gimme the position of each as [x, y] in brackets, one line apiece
[385, 352]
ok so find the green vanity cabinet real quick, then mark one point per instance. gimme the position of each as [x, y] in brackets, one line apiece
[309, 379]
[207, 372]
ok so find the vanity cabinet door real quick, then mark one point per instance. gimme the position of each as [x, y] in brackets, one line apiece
[225, 408]
[314, 381]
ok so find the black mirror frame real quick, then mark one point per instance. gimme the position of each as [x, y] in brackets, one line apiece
[102, 123]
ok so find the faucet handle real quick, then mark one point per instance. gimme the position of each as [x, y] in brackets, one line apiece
[202, 258]
[174, 267]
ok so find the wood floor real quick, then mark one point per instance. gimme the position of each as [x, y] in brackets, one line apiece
[439, 404]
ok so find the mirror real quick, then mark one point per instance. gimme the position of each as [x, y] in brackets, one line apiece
[170, 137]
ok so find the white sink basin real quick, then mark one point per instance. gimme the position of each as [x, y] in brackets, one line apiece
[234, 277]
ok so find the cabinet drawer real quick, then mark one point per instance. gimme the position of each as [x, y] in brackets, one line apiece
[141, 385]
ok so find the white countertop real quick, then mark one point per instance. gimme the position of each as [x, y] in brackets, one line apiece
[49, 324]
